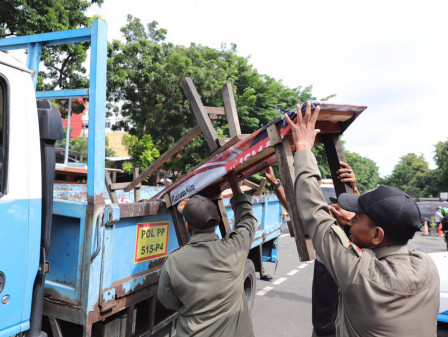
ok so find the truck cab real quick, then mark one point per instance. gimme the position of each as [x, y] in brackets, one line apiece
[20, 195]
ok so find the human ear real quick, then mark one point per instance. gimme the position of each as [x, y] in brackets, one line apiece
[378, 236]
[187, 227]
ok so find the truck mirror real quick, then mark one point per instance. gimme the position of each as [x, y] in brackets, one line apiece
[50, 122]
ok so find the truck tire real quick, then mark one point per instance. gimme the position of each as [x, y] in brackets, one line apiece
[249, 283]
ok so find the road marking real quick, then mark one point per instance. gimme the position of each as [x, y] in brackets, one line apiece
[292, 272]
[283, 235]
[302, 266]
[264, 291]
[280, 281]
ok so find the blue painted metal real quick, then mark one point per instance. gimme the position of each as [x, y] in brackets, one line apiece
[443, 317]
[112, 275]
[21, 239]
[58, 94]
[97, 110]
[34, 53]
[47, 39]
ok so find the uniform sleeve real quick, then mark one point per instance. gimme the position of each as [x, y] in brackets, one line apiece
[165, 291]
[242, 236]
[334, 249]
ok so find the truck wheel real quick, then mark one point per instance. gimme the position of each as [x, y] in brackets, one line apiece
[249, 283]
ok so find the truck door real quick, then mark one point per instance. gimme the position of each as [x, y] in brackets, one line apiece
[20, 195]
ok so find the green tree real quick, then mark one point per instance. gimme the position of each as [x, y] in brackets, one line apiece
[144, 74]
[367, 176]
[142, 151]
[409, 174]
[322, 161]
[441, 159]
[79, 146]
[63, 64]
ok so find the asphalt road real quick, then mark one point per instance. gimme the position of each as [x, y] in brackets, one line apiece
[282, 306]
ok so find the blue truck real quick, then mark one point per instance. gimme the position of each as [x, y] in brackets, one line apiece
[72, 261]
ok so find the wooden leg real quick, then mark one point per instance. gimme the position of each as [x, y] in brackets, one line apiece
[224, 226]
[179, 226]
[285, 162]
[334, 152]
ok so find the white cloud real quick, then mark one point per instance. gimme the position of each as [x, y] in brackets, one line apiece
[389, 55]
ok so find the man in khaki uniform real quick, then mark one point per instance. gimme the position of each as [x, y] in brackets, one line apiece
[385, 290]
[203, 281]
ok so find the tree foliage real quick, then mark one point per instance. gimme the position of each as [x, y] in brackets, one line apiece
[64, 66]
[79, 146]
[366, 170]
[441, 159]
[145, 73]
[412, 175]
[143, 152]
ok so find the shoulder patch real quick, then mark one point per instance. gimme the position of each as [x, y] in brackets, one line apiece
[240, 229]
[345, 240]
[356, 249]
[342, 236]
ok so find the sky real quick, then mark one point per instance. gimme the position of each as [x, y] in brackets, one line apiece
[389, 55]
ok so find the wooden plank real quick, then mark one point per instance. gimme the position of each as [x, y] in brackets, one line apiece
[223, 141]
[114, 170]
[261, 187]
[120, 186]
[136, 188]
[200, 113]
[250, 184]
[228, 144]
[286, 168]
[335, 154]
[224, 226]
[167, 200]
[228, 192]
[230, 109]
[274, 135]
[212, 110]
[328, 127]
[112, 194]
[179, 227]
[341, 116]
[165, 156]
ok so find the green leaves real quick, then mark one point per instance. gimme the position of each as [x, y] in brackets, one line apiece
[142, 151]
[413, 176]
[144, 76]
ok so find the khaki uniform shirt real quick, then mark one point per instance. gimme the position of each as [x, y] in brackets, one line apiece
[203, 280]
[384, 292]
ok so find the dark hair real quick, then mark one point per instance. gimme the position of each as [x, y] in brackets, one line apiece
[196, 230]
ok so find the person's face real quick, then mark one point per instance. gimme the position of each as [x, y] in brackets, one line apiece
[362, 231]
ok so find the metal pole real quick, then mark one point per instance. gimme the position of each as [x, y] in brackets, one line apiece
[67, 139]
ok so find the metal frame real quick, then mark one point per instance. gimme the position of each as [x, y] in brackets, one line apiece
[97, 35]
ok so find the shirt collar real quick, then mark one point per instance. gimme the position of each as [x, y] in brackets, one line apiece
[391, 250]
[203, 237]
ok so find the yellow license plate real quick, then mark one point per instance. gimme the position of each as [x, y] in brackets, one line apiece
[152, 241]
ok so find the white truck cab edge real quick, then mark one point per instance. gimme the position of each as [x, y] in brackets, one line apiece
[20, 195]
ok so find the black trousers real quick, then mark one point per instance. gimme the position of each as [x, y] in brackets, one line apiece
[324, 300]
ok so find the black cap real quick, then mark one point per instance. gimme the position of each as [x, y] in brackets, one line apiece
[389, 208]
[199, 211]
